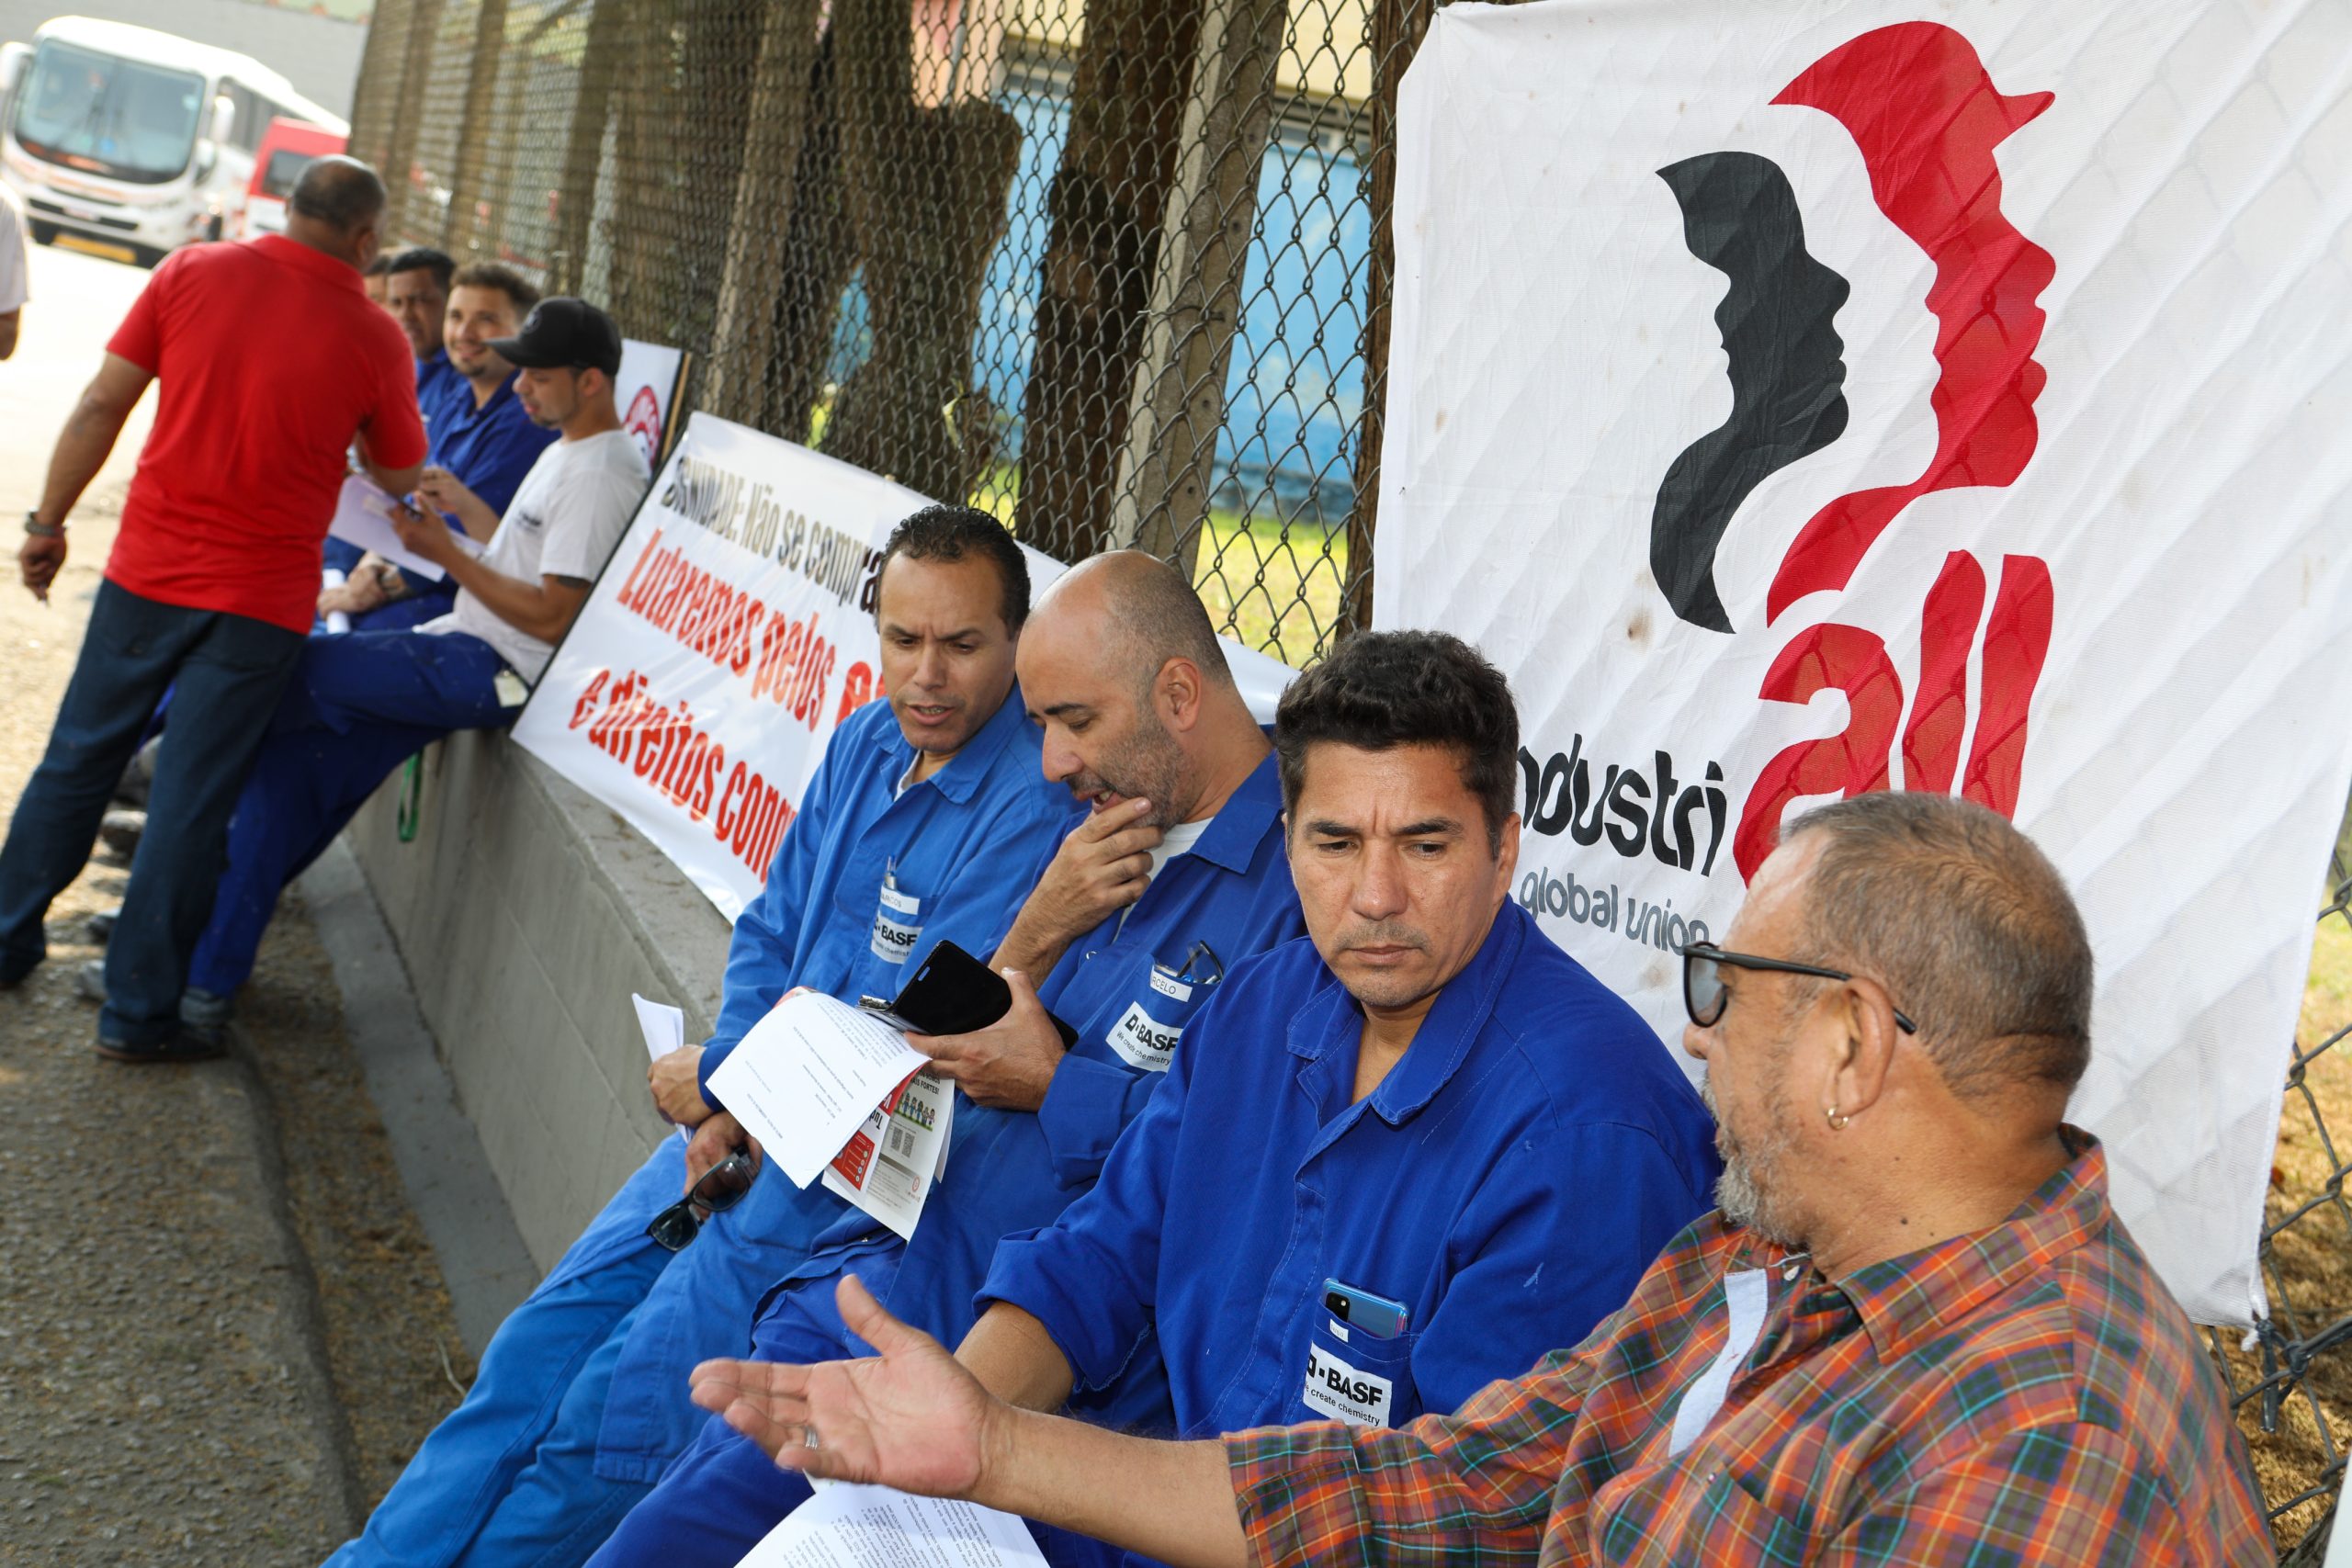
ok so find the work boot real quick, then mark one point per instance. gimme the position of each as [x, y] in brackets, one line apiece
[131, 788]
[205, 1014]
[100, 926]
[120, 831]
[183, 1045]
[90, 980]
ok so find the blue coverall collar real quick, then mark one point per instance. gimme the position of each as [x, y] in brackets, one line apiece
[1462, 1010]
[470, 413]
[964, 770]
[1231, 839]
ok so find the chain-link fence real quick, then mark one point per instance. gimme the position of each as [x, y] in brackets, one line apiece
[1119, 271]
[1115, 269]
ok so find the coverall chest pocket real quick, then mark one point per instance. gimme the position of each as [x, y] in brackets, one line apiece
[1352, 1377]
[898, 919]
[1162, 999]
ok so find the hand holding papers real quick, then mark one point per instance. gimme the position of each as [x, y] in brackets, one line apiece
[817, 1075]
[872, 1526]
[664, 1028]
[363, 516]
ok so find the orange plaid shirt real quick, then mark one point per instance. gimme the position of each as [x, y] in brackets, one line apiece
[2028, 1395]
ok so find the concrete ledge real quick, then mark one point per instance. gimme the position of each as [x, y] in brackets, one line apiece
[526, 912]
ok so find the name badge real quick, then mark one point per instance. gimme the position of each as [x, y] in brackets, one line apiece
[1143, 1042]
[1168, 986]
[898, 923]
[1345, 1392]
[512, 693]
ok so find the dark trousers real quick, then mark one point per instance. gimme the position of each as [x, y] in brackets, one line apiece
[230, 672]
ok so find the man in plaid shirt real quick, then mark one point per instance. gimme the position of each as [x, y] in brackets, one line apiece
[1914, 1332]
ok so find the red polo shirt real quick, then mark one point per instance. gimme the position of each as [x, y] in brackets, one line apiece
[268, 359]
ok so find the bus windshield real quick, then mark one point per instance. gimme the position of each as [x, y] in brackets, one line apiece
[111, 116]
[285, 167]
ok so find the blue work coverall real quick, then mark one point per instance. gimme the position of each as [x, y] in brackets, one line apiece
[581, 1399]
[1506, 1184]
[1007, 1170]
[490, 447]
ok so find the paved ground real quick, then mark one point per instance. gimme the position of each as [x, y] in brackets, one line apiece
[221, 1329]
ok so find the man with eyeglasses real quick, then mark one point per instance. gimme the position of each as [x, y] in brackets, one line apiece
[1914, 1331]
[1176, 872]
[928, 817]
[1390, 1164]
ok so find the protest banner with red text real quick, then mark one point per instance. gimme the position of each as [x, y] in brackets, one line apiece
[1806, 399]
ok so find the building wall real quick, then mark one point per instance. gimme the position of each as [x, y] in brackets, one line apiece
[318, 54]
[526, 914]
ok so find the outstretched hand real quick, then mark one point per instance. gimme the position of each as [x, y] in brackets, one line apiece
[910, 1417]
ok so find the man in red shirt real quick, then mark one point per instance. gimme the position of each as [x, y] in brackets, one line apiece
[271, 362]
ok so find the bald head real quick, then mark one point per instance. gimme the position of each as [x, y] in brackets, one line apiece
[1141, 612]
[1969, 926]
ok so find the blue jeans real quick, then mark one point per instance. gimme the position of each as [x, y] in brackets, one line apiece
[230, 672]
[358, 705]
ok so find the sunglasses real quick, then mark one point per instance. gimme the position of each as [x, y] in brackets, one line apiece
[721, 1187]
[1704, 994]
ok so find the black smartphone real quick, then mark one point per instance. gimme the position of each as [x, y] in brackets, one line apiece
[950, 992]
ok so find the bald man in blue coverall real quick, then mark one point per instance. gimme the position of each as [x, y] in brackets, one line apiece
[929, 814]
[1142, 723]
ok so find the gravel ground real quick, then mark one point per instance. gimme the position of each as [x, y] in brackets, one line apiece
[221, 1330]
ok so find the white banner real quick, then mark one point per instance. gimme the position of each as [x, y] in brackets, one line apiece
[731, 631]
[1802, 398]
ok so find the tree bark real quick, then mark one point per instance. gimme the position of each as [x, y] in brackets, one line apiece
[584, 145]
[925, 190]
[461, 234]
[1105, 206]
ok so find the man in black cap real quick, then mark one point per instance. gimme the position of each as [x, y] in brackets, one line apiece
[361, 703]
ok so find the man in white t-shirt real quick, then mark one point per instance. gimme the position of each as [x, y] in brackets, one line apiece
[362, 703]
[14, 288]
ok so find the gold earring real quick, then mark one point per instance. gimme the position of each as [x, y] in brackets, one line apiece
[1838, 1119]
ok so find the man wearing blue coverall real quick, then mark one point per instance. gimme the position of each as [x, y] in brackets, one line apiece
[930, 814]
[1390, 1164]
[359, 704]
[1142, 723]
[482, 443]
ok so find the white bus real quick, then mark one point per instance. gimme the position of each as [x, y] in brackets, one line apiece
[137, 140]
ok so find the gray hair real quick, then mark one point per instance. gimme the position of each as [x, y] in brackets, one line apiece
[1967, 924]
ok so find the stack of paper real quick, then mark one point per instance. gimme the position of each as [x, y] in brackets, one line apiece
[872, 1526]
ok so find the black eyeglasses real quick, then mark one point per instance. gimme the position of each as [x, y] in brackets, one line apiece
[1703, 994]
[721, 1187]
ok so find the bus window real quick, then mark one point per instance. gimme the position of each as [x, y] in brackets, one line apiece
[110, 116]
[284, 166]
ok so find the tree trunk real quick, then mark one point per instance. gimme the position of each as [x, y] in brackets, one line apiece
[584, 145]
[462, 230]
[1105, 206]
[925, 190]
[376, 97]
[398, 168]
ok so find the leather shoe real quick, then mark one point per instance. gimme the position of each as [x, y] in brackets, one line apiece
[180, 1046]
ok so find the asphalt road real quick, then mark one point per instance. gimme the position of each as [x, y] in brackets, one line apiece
[221, 1330]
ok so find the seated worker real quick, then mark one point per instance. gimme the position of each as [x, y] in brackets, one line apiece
[483, 444]
[359, 704]
[1142, 723]
[374, 280]
[1390, 1162]
[934, 796]
[416, 291]
[1914, 1333]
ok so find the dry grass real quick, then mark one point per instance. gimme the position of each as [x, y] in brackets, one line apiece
[2310, 1276]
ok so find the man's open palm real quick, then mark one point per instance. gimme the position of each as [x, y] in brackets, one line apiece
[911, 1418]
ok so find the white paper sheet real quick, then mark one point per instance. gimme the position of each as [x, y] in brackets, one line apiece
[664, 1028]
[338, 623]
[872, 1526]
[806, 1074]
[363, 517]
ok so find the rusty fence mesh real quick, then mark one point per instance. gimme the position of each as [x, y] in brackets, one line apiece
[1119, 271]
[1112, 269]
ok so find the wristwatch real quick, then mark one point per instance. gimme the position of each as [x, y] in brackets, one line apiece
[41, 530]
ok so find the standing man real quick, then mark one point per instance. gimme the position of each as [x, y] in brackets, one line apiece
[482, 441]
[214, 575]
[361, 702]
[14, 288]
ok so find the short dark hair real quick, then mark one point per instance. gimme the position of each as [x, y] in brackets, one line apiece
[1381, 690]
[381, 268]
[496, 274]
[425, 258]
[341, 192]
[1966, 923]
[949, 534]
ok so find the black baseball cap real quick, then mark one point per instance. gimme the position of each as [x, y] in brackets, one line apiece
[563, 334]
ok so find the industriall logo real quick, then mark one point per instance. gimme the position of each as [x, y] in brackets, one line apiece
[1926, 117]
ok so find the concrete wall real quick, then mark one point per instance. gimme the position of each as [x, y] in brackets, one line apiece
[318, 54]
[526, 913]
